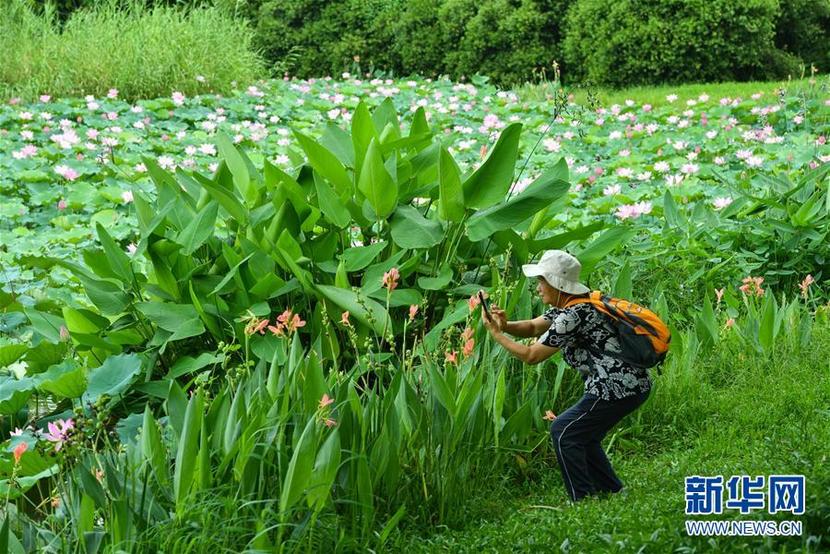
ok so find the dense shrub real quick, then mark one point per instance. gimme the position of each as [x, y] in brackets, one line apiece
[508, 40]
[328, 34]
[631, 42]
[803, 29]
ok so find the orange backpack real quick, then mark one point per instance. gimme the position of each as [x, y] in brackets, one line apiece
[644, 338]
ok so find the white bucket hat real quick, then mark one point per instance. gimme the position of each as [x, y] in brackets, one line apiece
[560, 270]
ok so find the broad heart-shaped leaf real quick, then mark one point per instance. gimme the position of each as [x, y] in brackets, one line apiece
[299, 469]
[237, 167]
[347, 300]
[412, 230]
[10, 353]
[326, 164]
[181, 319]
[490, 182]
[548, 187]
[358, 257]
[66, 379]
[450, 193]
[330, 204]
[604, 244]
[113, 377]
[437, 283]
[14, 393]
[199, 229]
[376, 184]
[118, 259]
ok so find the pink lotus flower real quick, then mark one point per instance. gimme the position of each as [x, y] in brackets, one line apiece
[18, 451]
[178, 98]
[549, 415]
[127, 196]
[59, 432]
[451, 357]
[805, 285]
[325, 401]
[413, 309]
[112, 93]
[61, 204]
[64, 333]
[67, 172]
[45, 98]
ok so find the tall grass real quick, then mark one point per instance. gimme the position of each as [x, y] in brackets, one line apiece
[141, 51]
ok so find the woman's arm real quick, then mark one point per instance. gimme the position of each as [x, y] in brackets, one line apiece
[527, 327]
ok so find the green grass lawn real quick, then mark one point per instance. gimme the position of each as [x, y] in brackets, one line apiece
[750, 416]
[656, 95]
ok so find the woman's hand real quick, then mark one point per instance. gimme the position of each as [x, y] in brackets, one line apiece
[497, 323]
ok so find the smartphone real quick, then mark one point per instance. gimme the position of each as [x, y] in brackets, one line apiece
[484, 303]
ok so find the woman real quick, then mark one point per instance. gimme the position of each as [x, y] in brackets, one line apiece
[613, 388]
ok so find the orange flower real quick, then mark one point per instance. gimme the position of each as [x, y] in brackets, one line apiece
[18, 451]
[467, 334]
[451, 357]
[752, 286]
[390, 278]
[730, 322]
[325, 401]
[413, 309]
[278, 329]
[805, 285]
[330, 422]
[344, 318]
[549, 416]
[295, 323]
[468, 348]
[473, 301]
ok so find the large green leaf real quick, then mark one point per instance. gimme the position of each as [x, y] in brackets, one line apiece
[153, 448]
[14, 393]
[199, 229]
[604, 244]
[67, 380]
[411, 230]
[330, 204]
[117, 257]
[10, 353]
[450, 192]
[539, 195]
[325, 470]
[326, 164]
[358, 257]
[227, 200]
[187, 451]
[113, 377]
[299, 469]
[363, 131]
[181, 319]
[437, 283]
[376, 184]
[490, 182]
[238, 168]
[44, 323]
[560, 240]
[347, 300]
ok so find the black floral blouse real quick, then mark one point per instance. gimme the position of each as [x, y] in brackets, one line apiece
[607, 377]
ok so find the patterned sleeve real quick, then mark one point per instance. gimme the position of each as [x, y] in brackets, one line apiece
[564, 328]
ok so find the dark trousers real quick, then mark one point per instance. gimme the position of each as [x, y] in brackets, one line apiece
[576, 435]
